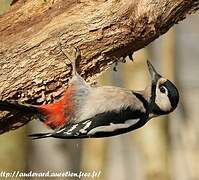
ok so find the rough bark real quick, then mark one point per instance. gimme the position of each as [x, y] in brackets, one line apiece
[32, 66]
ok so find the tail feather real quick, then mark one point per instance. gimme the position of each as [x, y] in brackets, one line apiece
[21, 111]
[52, 115]
[40, 135]
[17, 106]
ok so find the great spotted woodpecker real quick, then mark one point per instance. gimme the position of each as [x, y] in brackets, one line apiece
[100, 111]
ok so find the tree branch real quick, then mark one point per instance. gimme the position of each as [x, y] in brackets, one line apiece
[32, 66]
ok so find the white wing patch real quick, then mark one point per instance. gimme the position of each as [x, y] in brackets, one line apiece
[71, 129]
[83, 130]
[85, 124]
[112, 127]
[59, 131]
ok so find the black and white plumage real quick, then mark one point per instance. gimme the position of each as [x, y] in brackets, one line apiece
[101, 111]
[107, 110]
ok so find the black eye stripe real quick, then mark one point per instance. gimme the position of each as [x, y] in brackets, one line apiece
[153, 92]
[168, 86]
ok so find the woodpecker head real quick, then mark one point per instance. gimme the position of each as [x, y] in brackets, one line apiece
[164, 94]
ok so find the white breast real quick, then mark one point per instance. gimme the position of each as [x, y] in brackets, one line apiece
[107, 98]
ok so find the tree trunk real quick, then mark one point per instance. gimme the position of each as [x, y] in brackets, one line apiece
[32, 66]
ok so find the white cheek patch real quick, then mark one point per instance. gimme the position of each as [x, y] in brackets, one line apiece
[112, 127]
[162, 100]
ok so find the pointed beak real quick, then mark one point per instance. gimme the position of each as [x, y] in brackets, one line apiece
[154, 75]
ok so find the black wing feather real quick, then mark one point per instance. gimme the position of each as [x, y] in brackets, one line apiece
[81, 129]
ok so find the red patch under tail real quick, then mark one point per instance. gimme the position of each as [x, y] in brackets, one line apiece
[59, 113]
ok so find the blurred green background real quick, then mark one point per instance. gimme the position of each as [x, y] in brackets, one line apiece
[166, 148]
[4, 5]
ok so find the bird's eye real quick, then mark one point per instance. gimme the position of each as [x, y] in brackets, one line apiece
[163, 89]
